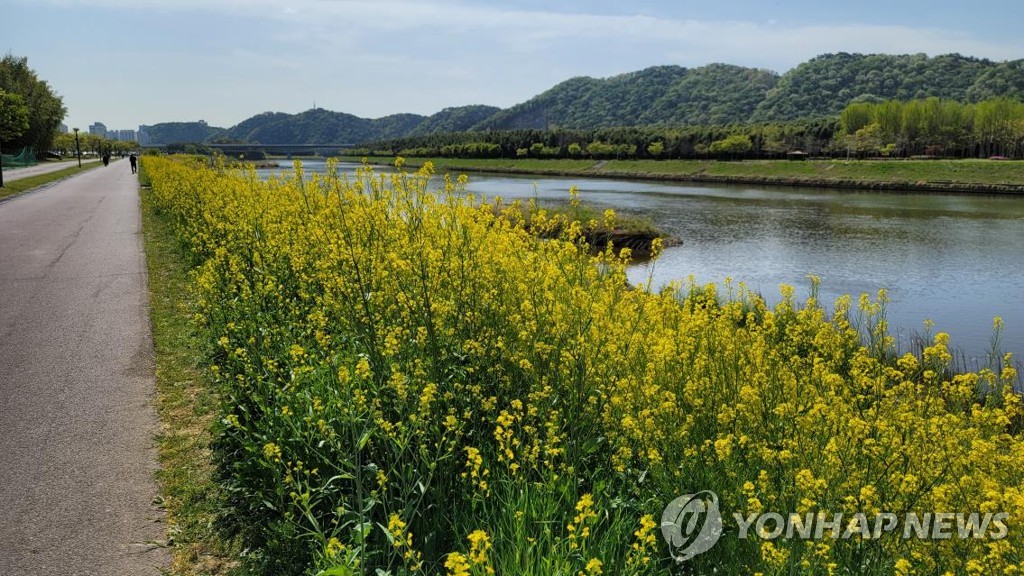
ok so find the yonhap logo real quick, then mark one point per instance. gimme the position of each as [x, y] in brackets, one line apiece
[691, 524]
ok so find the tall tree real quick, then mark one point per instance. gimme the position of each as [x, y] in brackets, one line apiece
[735, 145]
[995, 125]
[13, 121]
[13, 116]
[45, 108]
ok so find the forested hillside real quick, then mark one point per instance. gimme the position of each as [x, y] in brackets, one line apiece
[717, 94]
[1005, 80]
[458, 119]
[590, 103]
[319, 126]
[173, 132]
[712, 95]
[824, 85]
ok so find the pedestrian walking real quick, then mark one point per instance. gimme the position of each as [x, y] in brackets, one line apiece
[133, 161]
[106, 158]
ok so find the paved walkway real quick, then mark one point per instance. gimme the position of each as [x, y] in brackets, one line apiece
[77, 420]
[12, 174]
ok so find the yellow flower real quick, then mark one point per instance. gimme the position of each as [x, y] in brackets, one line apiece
[479, 545]
[334, 548]
[396, 527]
[363, 369]
[272, 451]
[456, 565]
[497, 340]
[578, 529]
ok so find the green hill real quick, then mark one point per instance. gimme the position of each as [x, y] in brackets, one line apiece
[176, 132]
[458, 119]
[1004, 80]
[319, 126]
[585, 102]
[716, 95]
[824, 85]
[314, 126]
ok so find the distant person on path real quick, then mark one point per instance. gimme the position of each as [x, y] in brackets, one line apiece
[106, 158]
[133, 161]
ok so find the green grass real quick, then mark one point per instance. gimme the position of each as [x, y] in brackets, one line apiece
[15, 187]
[954, 174]
[187, 406]
[940, 171]
[527, 165]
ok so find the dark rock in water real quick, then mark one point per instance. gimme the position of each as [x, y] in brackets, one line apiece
[638, 242]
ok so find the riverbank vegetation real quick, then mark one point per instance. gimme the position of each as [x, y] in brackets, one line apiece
[892, 129]
[935, 127]
[596, 228]
[411, 382]
[987, 176]
[187, 405]
[765, 140]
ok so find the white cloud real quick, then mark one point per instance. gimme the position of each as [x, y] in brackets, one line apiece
[378, 57]
[344, 24]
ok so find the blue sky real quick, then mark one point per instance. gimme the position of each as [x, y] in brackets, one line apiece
[131, 62]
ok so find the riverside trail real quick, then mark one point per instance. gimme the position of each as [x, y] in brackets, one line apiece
[77, 388]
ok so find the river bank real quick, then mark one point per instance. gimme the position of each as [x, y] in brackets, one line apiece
[597, 228]
[551, 368]
[947, 176]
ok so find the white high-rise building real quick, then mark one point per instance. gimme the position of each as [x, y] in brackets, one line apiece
[99, 129]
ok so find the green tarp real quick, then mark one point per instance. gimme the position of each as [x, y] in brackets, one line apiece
[24, 158]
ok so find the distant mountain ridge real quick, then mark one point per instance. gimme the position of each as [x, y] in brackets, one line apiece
[716, 94]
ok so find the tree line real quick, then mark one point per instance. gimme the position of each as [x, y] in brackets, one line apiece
[64, 144]
[766, 140]
[928, 127]
[30, 111]
[934, 127]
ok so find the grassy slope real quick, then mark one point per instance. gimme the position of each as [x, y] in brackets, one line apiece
[187, 407]
[525, 165]
[942, 171]
[924, 174]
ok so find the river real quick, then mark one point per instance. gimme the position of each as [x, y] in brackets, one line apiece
[956, 260]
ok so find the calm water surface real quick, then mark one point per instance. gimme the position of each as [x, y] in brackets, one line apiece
[953, 259]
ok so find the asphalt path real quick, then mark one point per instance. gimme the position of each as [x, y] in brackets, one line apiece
[12, 174]
[77, 417]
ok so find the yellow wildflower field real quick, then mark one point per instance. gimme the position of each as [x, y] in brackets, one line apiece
[413, 382]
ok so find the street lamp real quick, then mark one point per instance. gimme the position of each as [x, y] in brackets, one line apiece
[78, 149]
